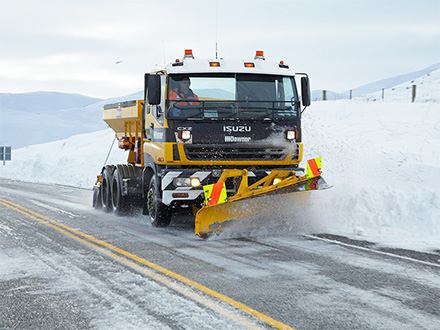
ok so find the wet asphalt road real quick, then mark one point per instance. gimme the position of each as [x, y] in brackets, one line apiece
[50, 281]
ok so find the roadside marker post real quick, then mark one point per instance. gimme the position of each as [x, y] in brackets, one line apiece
[5, 154]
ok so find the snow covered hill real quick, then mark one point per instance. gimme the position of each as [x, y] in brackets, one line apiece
[44, 101]
[394, 81]
[400, 85]
[34, 118]
[427, 90]
[382, 159]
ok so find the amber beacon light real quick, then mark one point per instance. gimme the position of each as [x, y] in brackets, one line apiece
[259, 55]
[188, 53]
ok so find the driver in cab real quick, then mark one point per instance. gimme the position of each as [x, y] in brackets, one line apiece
[182, 95]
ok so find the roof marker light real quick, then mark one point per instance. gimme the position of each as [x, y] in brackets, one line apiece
[249, 65]
[188, 53]
[259, 55]
[177, 63]
[282, 65]
[214, 64]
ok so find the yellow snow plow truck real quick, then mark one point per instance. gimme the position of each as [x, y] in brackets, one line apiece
[211, 137]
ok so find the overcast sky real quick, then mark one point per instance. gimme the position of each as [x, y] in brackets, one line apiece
[73, 45]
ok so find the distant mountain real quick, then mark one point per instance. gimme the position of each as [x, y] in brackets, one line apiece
[44, 101]
[34, 118]
[214, 93]
[317, 95]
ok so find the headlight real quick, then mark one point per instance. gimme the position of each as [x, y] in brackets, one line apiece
[187, 182]
[195, 182]
[185, 135]
[290, 135]
[181, 182]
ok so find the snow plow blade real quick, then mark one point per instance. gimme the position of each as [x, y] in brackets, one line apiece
[245, 204]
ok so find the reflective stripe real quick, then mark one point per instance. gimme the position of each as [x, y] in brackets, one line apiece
[168, 179]
[313, 167]
[202, 175]
[215, 193]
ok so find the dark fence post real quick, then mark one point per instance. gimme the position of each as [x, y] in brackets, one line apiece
[324, 95]
[413, 93]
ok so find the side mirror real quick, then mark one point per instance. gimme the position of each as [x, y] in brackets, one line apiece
[146, 85]
[305, 91]
[154, 89]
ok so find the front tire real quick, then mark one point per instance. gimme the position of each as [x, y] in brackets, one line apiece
[160, 214]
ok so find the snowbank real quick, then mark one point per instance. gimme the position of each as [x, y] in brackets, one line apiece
[75, 161]
[383, 160]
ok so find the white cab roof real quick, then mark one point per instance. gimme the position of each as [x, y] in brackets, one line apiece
[191, 65]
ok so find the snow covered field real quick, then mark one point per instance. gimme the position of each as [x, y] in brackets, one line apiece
[382, 159]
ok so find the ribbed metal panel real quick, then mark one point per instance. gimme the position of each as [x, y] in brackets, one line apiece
[237, 152]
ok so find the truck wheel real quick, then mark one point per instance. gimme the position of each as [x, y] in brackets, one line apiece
[120, 203]
[160, 214]
[106, 190]
[145, 207]
[146, 179]
[97, 204]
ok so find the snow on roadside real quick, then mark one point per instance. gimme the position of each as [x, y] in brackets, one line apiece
[383, 160]
[75, 161]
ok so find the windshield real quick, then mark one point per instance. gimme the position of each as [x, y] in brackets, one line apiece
[246, 96]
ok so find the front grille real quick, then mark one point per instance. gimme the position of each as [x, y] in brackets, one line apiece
[236, 152]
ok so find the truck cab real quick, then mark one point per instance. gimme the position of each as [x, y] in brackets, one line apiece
[206, 115]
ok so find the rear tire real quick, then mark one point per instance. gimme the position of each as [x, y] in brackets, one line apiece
[160, 214]
[106, 193]
[97, 204]
[120, 204]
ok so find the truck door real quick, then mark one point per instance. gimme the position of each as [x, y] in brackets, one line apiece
[154, 118]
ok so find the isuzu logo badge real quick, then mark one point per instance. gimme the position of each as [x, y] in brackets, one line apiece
[240, 128]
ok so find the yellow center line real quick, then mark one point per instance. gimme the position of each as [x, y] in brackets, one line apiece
[176, 286]
[98, 244]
